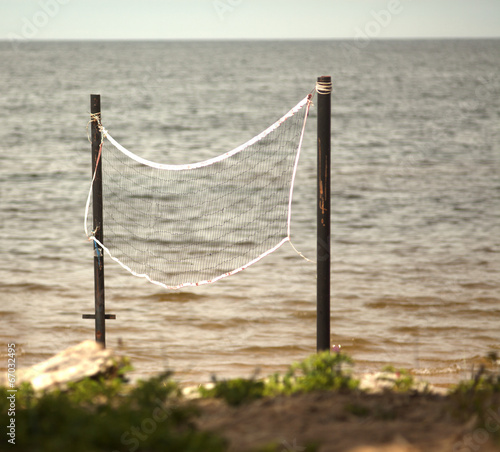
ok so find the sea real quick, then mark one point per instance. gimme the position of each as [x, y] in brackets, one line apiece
[415, 264]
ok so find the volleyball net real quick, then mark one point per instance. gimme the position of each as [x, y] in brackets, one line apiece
[194, 224]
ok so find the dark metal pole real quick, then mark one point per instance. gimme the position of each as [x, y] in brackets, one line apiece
[323, 88]
[100, 328]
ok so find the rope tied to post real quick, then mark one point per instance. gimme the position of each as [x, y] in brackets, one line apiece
[94, 117]
[97, 118]
[324, 86]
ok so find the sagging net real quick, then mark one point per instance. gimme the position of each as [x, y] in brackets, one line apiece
[187, 225]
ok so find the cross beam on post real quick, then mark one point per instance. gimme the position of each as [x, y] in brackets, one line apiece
[97, 214]
[323, 89]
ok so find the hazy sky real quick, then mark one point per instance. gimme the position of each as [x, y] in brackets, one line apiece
[228, 19]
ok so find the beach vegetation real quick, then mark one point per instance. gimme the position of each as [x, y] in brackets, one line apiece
[107, 415]
[401, 379]
[323, 371]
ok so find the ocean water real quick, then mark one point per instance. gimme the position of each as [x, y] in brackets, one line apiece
[415, 206]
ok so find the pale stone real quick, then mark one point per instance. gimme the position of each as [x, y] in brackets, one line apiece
[86, 359]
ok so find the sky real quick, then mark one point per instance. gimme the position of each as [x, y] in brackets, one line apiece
[247, 19]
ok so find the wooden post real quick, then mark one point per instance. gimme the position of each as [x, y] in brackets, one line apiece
[97, 214]
[323, 88]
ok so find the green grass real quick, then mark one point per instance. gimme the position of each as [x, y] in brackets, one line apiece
[322, 371]
[235, 391]
[107, 415]
[478, 395]
[404, 380]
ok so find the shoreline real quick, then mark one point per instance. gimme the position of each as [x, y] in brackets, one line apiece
[318, 405]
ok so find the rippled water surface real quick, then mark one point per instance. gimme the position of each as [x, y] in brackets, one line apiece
[416, 201]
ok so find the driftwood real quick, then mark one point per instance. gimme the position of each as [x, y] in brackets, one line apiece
[87, 359]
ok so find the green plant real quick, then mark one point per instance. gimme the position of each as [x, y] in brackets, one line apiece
[108, 415]
[479, 396]
[323, 371]
[475, 395]
[236, 391]
[402, 379]
[318, 372]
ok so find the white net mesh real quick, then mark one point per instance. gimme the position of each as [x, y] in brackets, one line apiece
[186, 225]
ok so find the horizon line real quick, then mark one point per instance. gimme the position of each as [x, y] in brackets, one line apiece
[393, 38]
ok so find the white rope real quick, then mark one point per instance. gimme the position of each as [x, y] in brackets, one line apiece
[87, 205]
[300, 254]
[191, 284]
[289, 221]
[93, 117]
[211, 161]
[323, 87]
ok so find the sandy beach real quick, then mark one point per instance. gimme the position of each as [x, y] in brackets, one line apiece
[318, 405]
[389, 422]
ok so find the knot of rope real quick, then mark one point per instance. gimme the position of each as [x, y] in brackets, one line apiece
[323, 87]
[96, 117]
